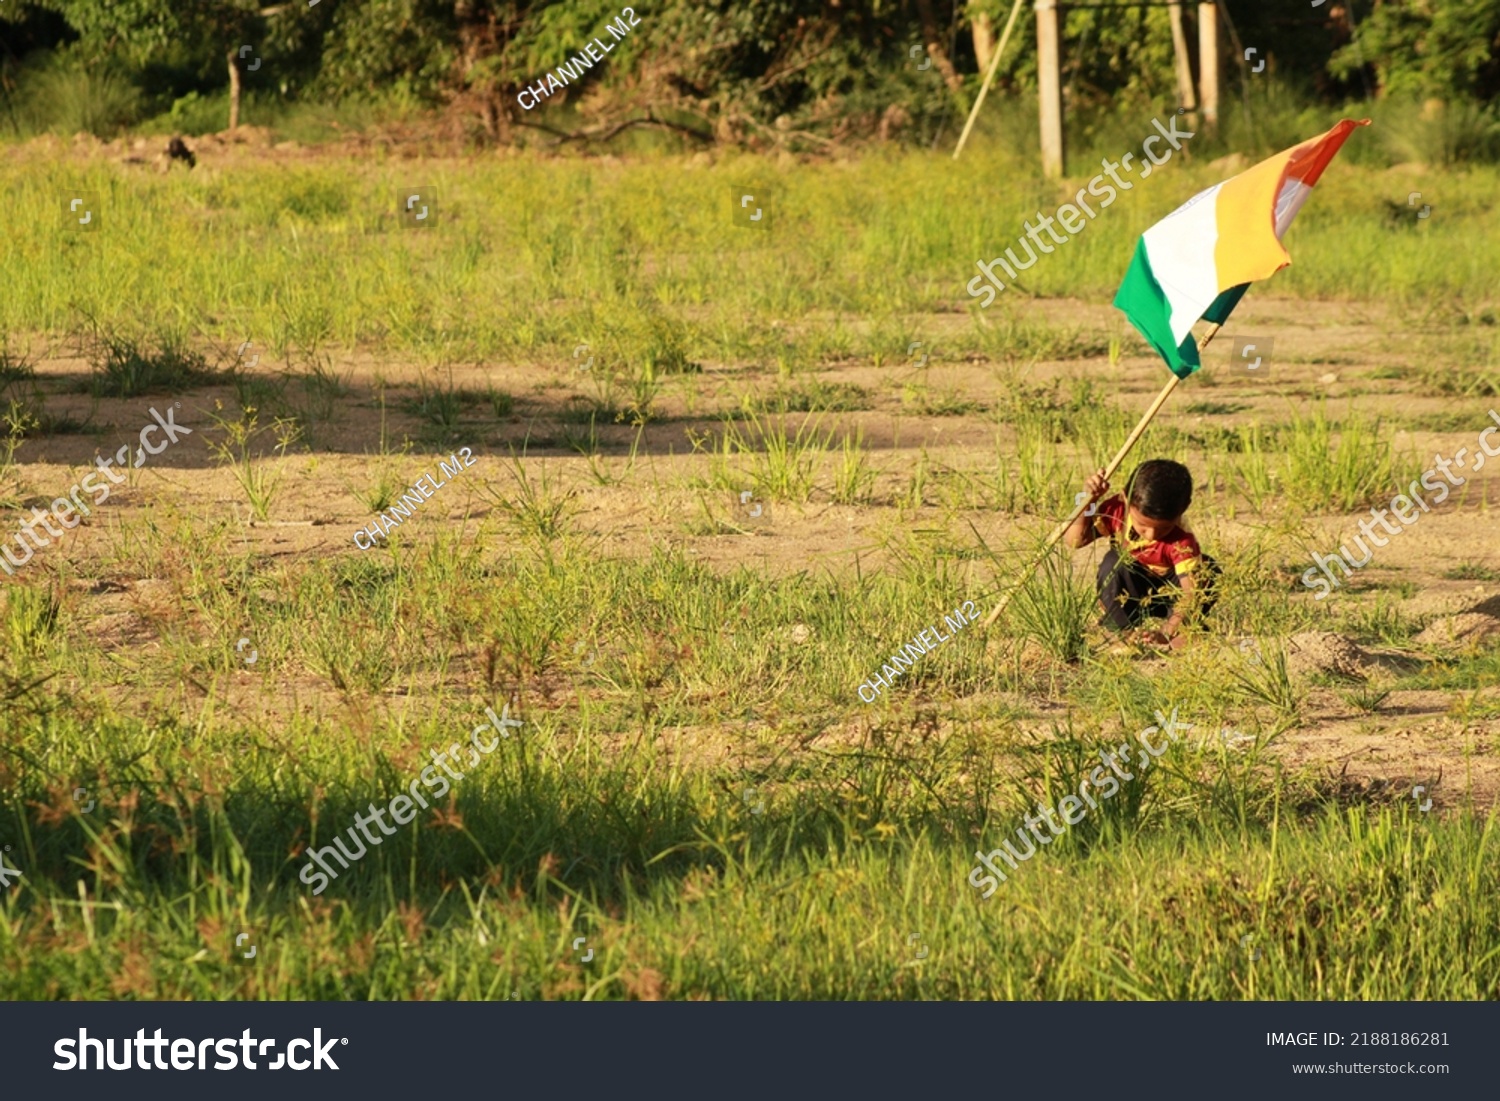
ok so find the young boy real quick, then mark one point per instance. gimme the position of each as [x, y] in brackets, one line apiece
[1163, 563]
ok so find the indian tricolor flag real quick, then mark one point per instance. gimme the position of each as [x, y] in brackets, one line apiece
[1198, 261]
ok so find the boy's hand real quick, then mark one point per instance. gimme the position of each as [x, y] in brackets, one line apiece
[1081, 531]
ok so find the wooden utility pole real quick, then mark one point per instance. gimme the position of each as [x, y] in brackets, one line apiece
[1186, 97]
[1049, 86]
[1208, 64]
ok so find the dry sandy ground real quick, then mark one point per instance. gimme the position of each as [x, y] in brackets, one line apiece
[1415, 738]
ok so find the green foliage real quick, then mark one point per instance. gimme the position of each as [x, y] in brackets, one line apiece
[853, 478]
[30, 620]
[784, 462]
[256, 476]
[538, 507]
[1270, 683]
[1445, 49]
[196, 114]
[62, 95]
[1440, 134]
[786, 73]
[400, 47]
[532, 286]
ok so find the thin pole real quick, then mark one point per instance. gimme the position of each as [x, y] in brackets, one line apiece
[1185, 93]
[1049, 87]
[989, 78]
[1208, 64]
[1114, 464]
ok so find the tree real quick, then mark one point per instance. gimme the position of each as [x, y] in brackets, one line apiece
[983, 30]
[138, 32]
[1444, 50]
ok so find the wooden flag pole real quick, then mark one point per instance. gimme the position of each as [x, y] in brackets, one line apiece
[1114, 464]
[989, 78]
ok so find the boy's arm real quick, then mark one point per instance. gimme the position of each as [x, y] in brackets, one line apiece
[1173, 626]
[1187, 558]
[1081, 531]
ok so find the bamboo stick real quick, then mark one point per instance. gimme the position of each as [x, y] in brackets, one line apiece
[989, 78]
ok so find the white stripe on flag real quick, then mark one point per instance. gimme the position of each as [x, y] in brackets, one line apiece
[1181, 250]
[1288, 201]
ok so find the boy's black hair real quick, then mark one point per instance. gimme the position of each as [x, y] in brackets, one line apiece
[1161, 489]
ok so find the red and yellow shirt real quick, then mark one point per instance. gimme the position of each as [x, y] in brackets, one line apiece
[1178, 553]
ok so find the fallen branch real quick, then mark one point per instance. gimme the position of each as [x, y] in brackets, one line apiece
[609, 132]
[782, 135]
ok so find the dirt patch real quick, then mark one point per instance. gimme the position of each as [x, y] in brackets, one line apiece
[1468, 629]
[1315, 652]
[1400, 740]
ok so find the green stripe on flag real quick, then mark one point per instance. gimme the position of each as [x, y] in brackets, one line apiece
[1141, 297]
[1224, 305]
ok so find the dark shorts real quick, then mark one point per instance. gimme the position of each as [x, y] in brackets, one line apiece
[1131, 594]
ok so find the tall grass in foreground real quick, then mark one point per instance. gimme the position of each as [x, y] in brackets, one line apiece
[602, 819]
[1055, 608]
[687, 894]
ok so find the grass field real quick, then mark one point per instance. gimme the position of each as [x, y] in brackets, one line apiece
[698, 789]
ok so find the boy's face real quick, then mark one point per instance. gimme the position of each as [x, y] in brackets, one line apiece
[1149, 529]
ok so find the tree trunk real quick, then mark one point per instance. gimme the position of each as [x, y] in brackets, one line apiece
[984, 38]
[234, 89]
[933, 35]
